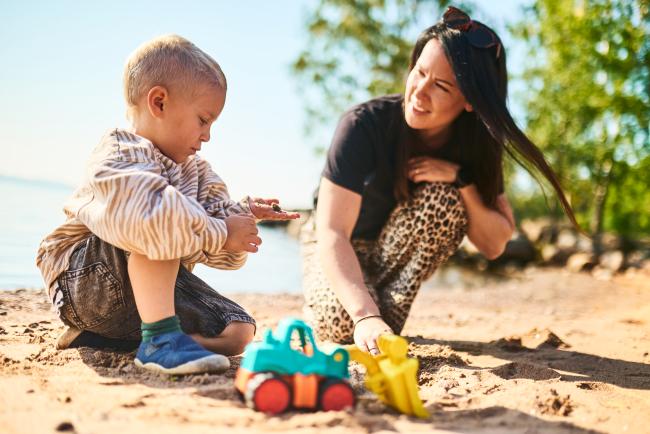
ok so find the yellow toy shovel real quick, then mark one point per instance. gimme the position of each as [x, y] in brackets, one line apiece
[391, 375]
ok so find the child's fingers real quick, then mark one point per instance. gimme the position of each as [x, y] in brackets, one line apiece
[261, 200]
[291, 216]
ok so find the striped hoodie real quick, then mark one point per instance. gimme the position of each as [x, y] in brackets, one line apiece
[139, 200]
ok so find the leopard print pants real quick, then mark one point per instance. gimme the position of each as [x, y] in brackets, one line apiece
[420, 234]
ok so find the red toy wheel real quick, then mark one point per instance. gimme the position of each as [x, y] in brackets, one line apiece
[336, 395]
[268, 393]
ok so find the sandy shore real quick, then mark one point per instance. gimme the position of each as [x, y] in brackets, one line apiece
[545, 352]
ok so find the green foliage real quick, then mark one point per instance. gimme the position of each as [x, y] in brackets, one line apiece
[628, 204]
[588, 91]
[357, 49]
[589, 104]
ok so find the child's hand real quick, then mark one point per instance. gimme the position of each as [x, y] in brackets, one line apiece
[269, 209]
[242, 234]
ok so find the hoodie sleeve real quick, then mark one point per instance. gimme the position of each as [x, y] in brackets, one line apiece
[136, 209]
[213, 194]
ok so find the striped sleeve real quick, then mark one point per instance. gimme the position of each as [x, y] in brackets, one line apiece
[213, 194]
[136, 209]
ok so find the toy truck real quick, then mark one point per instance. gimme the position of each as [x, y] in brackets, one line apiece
[276, 375]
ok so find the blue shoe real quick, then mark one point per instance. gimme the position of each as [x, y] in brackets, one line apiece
[176, 353]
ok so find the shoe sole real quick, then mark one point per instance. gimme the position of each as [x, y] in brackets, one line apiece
[210, 364]
[67, 338]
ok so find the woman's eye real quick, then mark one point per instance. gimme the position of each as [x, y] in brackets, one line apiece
[442, 87]
[420, 73]
[203, 121]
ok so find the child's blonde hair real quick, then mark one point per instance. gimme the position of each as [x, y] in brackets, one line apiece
[170, 61]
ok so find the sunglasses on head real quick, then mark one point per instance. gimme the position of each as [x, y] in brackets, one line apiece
[478, 34]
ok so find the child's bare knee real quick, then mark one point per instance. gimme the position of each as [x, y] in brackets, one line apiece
[239, 334]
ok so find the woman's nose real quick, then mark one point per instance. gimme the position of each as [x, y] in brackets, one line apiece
[420, 89]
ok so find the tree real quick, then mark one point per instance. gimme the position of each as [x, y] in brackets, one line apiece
[587, 79]
[356, 49]
[589, 105]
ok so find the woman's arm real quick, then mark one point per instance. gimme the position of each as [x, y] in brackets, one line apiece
[489, 230]
[336, 215]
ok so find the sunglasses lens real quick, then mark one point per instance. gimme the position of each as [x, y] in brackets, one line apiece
[481, 37]
[478, 34]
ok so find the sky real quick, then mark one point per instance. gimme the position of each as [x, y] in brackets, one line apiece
[60, 82]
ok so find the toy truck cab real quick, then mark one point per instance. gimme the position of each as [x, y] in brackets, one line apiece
[287, 369]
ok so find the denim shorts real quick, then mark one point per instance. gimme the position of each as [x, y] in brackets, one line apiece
[95, 294]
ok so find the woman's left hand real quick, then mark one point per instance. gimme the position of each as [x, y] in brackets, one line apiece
[427, 169]
[269, 209]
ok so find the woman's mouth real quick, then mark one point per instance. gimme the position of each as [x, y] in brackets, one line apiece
[419, 110]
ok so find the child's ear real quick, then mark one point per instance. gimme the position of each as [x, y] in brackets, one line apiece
[157, 100]
[468, 107]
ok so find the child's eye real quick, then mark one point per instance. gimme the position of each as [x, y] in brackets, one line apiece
[203, 121]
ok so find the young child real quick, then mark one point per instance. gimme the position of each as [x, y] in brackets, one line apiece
[119, 269]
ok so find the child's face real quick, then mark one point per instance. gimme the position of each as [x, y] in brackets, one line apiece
[185, 122]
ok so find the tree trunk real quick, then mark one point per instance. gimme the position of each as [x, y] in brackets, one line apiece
[600, 199]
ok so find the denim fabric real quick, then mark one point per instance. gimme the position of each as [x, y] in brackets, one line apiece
[95, 294]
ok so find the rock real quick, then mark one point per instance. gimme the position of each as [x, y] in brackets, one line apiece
[635, 259]
[555, 256]
[580, 262]
[602, 273]
[612, 261]
[585, 244]
[566, 239]
[533, 228]
[548, 251]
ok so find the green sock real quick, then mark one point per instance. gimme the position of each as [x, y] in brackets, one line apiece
[166, 325]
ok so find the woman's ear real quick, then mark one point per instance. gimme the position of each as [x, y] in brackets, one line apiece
[157, 99]
[468, 107]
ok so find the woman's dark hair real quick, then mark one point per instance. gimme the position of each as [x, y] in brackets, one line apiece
[479, 137]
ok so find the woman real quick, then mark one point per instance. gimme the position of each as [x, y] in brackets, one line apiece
[407, 177]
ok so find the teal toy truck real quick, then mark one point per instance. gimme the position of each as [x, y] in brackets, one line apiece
[286, 370]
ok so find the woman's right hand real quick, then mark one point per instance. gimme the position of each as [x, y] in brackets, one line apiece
[367, 331]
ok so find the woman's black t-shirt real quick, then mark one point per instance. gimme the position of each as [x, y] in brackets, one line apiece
[363, 154]
[362, 158]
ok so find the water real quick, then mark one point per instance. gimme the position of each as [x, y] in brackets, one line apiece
[31, 209]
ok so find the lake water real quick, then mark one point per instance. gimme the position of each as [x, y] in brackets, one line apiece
[31, 209]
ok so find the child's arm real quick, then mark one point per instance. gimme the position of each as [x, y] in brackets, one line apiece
[213, 194]
[137, 210]
[214, 197]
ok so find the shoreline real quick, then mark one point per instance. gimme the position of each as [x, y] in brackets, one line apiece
[545, 351]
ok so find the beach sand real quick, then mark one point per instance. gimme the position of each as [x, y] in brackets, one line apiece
[544, 352]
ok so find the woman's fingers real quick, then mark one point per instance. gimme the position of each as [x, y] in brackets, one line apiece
[372, 348]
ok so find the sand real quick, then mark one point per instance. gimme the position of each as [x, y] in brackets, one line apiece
[544, 352]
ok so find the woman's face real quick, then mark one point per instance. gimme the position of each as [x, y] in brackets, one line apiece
[432, 99]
